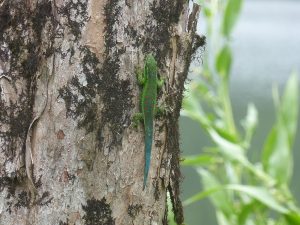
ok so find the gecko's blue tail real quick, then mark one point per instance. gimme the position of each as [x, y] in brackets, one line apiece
[148, 146]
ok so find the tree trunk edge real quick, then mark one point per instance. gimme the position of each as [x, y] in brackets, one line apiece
[173, 134]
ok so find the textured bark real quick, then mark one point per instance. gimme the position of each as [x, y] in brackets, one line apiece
[68, 152]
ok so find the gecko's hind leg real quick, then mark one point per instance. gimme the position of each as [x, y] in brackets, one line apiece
[137, 118]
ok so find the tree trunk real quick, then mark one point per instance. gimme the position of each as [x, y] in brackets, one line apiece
[68, 152]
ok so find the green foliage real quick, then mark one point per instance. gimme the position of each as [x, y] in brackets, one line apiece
[277, 155]
[223, 63]
[232, 11]
[246, 193]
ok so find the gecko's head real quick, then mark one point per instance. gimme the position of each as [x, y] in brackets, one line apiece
[151, 65]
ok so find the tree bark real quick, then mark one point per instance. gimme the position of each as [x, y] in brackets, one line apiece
[68, 91]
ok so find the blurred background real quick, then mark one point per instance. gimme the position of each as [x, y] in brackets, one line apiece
[266, 48]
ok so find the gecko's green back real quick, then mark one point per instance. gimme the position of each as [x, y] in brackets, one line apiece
[148, 108]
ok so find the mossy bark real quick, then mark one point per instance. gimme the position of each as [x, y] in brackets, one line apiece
[68, 152]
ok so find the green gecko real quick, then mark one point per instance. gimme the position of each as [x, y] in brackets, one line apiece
[150, 82]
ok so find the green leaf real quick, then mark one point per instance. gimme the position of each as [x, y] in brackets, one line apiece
[198, 160]
[293, 218]
[223, 62]
[246, 211]
[225, 134]
[231, 150]
[261, 194]
[277, 159]
[222, 219]
[221, 198]
[231, 14]
[277, 151]
[192, 109]
[250, 123]
[202, 89]
[201, 195]
[207, 12]
[289, 107]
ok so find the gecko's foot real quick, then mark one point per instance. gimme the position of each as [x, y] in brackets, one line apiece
[140, 75]
[160, 82]
[136, 119]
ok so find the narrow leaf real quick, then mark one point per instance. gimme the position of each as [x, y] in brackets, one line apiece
[193, 110]
[222, 219]
[277, 151]
[250, 122]
[231, 150]
[293, 218]
[289, 107]
[277, 158]
[223, 62]
[198, 160]
[231, 14]
[261, 194]
[220, 199]
[199, 196]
